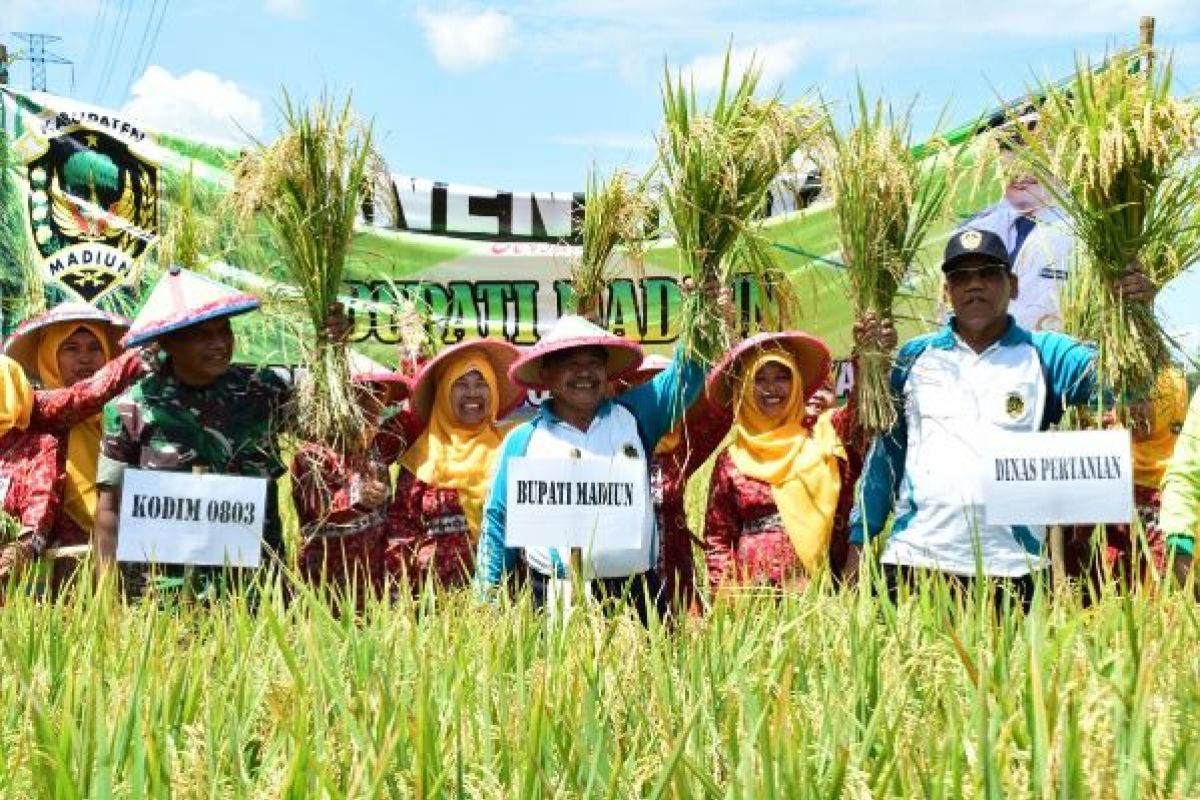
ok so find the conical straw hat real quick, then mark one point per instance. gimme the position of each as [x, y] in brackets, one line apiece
[569, 333]
[181, 299]
[22, 345]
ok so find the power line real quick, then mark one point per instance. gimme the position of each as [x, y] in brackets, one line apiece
[38, 57]
[139, 60]
[94, 36]
[114, 48]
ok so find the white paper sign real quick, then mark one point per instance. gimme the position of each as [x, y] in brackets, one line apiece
[1058, 478]
[572, 502]
[186, 518]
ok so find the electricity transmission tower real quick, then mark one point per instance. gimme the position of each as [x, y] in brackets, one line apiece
[38, 57]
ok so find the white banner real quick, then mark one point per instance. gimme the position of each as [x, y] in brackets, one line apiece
[1058, 478]
[186, 518]
[571, 502]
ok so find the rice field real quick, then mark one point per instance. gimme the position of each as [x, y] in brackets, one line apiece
[823, 694]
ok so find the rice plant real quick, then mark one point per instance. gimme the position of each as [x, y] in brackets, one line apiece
[616, 213]
[307, 187]
[717, 166]
[1116, 151]
[886, 195]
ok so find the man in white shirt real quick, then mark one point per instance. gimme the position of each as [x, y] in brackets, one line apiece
[979, 375]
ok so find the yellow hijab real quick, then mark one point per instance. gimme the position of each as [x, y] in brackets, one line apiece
[451, 455]
[800, 465]
[83, 442]
[16, 396]
[1168, 407]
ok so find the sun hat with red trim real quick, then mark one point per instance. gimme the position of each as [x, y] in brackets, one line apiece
[181, 299]
[500, 354]
[22, 344]
[651, 365]
[810, 353]
[569, 333]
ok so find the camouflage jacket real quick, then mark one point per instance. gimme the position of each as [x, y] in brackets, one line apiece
[227, 428]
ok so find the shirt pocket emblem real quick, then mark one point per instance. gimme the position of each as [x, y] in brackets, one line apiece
[1014, 406]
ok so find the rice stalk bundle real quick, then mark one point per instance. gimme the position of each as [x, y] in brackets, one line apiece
[1117, 152]
[718, 165]
[886, 194]
[307, 187]
[187, 235]
[616, 212]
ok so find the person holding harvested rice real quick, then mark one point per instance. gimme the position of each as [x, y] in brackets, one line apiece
[676, 458]
[341, 498]
[461, 395]
[73, 353]
[196, 412]
[575, 362]
[781, 493]
[981, 374]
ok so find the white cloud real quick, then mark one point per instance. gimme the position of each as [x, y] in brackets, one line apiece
[463, 40]
[199, 104]
[289, 9]
[774, 59]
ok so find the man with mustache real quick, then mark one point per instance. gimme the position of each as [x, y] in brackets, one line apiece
[979, 375]
[574, 362]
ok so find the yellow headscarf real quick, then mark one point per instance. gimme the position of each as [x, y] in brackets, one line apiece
[16, 396]
[800, 465]
[451, 455]
[1168, 407]
[83, 442]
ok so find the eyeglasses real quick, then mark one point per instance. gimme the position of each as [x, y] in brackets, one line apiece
[992, 273]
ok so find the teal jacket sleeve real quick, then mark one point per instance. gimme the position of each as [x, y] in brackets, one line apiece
[875, 494]
[660, 403]
[1069, 368]
[493, 560]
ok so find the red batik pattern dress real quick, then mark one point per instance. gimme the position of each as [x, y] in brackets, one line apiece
[705, 428]
[343, 542]
[428, 535]
[31, 479]
[744, 538]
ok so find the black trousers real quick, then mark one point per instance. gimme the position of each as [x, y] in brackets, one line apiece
[1018, 591]
[644, 593]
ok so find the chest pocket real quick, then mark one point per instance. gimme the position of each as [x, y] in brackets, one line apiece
[1012, 407]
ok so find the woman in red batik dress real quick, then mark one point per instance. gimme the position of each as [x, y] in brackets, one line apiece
[780, 495]
[461, 395]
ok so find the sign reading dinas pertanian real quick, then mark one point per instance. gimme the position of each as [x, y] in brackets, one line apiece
[184, 518]
[1053, 478]
[587, 503]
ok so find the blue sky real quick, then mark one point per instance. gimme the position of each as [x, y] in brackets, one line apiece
[526, 95]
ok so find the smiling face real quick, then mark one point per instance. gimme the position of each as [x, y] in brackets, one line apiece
[79, 357]
[773, 387]
[979, 291]
[200, 354]
[471, 399]
[576, 379]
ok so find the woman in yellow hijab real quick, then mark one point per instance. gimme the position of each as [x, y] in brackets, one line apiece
[781, 491]
[65, 352]
[461, 395]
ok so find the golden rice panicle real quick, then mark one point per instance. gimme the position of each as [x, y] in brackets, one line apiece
[616, 214]
[716, 167]
[886, 194]
[1116, 150]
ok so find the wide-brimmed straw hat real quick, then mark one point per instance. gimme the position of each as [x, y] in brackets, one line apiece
[651, 365]
[500, 354]
[569, 333]
[181, 299]
[366, 370]
[22, 345]
[811, 354]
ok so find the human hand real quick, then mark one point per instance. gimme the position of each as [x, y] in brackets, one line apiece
[874, 333]
[1135, 286]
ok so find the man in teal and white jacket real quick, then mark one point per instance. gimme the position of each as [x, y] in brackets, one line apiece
[575, 362]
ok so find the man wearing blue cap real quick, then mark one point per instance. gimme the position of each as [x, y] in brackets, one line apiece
[980, 374]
